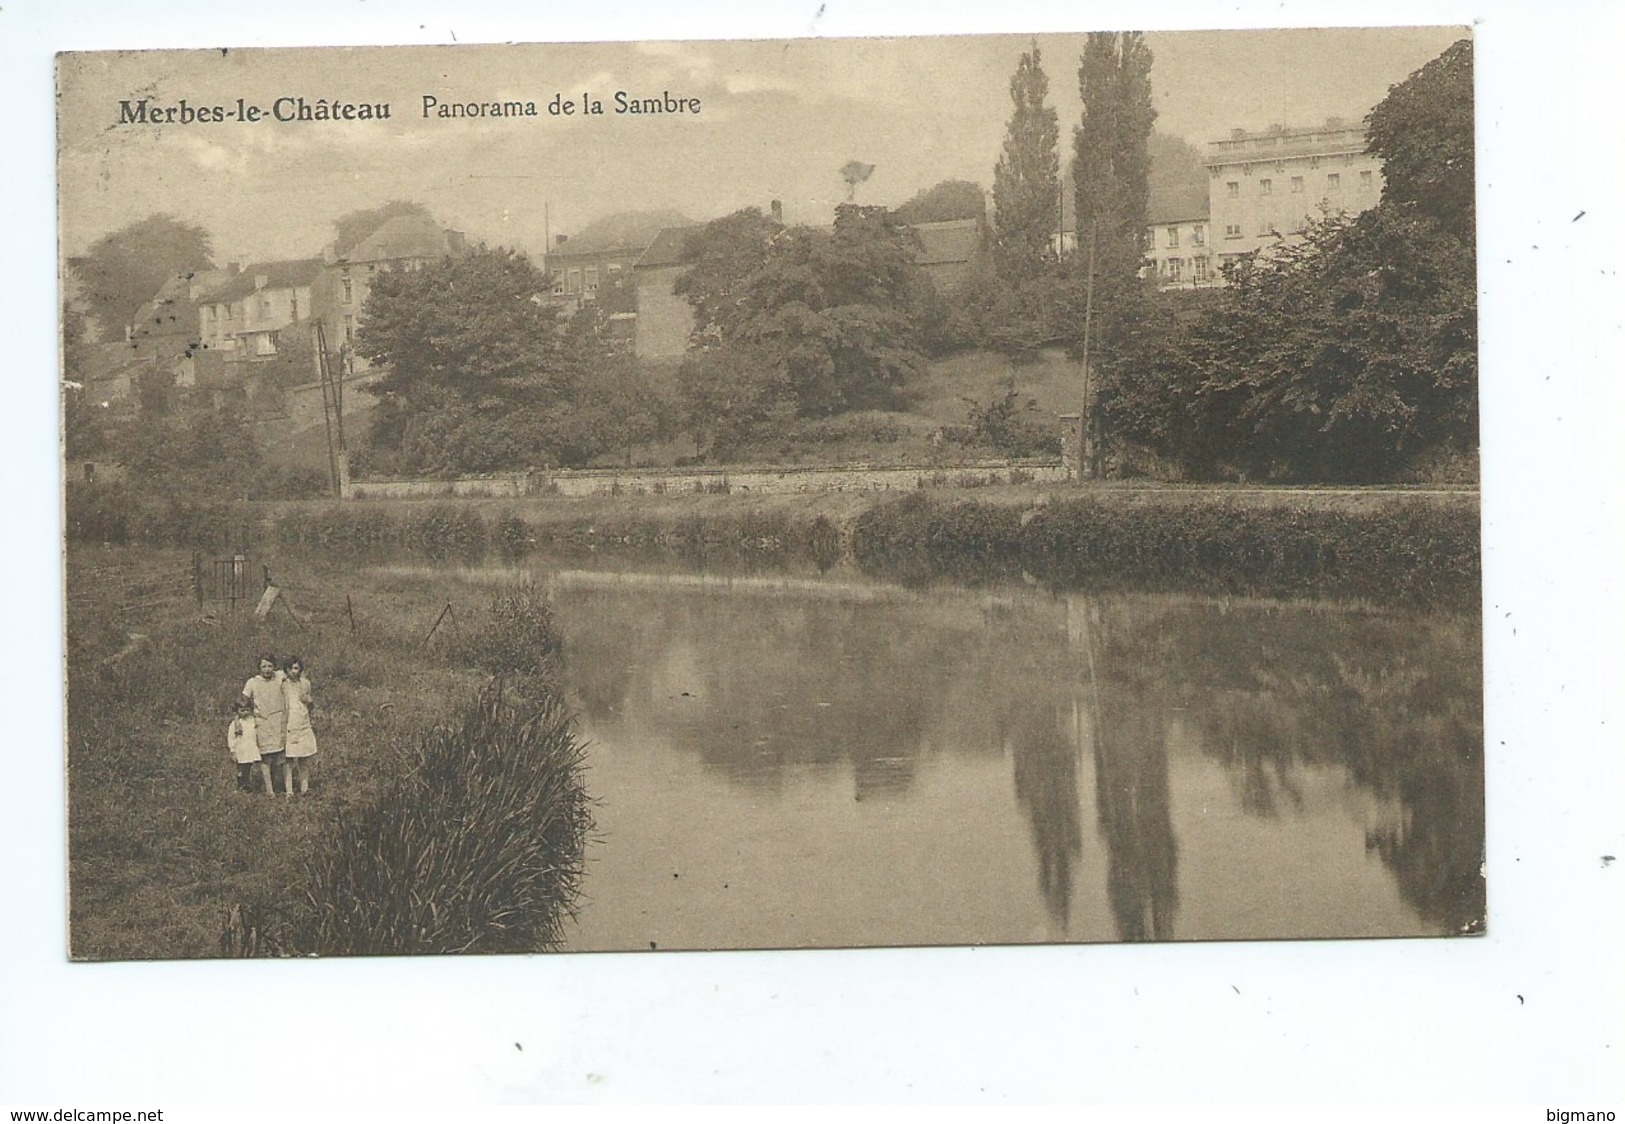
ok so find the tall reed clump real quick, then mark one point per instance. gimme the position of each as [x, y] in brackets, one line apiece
[477, 849]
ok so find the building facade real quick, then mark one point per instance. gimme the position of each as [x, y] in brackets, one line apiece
[1269, 185]
[243, 318]
[403, 242]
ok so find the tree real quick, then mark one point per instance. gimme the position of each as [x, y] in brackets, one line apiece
[1347, 353]
[947, 201]
[481, 375]
[1111, 168]
[723, 255]
[1423, 130]
[124, 269]
[1026, 180]
[1339, 357]
[837, 311]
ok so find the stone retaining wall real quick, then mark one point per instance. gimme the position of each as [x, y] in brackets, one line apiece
[761, 481]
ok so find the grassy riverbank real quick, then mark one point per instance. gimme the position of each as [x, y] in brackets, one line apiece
[162, 845]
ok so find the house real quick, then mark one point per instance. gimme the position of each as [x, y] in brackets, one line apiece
[665, 319]
[580, 273]
[408, 241]
[1177, 244]
[950, 251]
[244, 317]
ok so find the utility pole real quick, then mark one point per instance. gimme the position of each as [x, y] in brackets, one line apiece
[1086, 427]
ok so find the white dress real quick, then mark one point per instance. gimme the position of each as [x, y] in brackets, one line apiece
[301, 738]
[240, 739]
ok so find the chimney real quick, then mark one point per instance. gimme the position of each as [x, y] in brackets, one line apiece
[777, 209]
[261, 280]
[560, 239]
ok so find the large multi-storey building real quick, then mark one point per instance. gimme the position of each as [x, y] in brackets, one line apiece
[1270, 185]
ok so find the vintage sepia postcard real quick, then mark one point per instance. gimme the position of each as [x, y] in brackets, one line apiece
[757, 495]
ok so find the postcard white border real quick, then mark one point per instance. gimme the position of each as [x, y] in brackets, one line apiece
[1529, 1013]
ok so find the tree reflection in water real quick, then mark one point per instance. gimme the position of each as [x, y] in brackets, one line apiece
[1045, 758]
[901, 688]
[1131, 780]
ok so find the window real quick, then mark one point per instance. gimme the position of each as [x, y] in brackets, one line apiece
[1199, 269]
[1334, 182]
[349, 330]
[293, 305]
[1174, 269]
[572, 282]
[1266, 187]
[1173, 237]
[265, 306]
[349, 291]
[1297, 185]
[1232, 230]
[1198, 235]
[592, 279]
[1314, 161]
[1232, 189]
[1365, 181]
[558, 284]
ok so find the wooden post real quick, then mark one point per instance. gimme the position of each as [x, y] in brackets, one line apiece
[349, 611]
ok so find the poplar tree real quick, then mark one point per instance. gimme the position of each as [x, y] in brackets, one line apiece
[1026, 180]
[1111, 168]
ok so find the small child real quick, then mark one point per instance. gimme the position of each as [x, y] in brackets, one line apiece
[243, 742]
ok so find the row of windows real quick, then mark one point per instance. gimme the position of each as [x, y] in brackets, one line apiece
[1173, 269]
[1334, 182]
[1198, 236]
[574, 282]
[1345, 159]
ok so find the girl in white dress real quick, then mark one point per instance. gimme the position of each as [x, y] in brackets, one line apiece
[245, 748]
[264, 695]
[301, 738]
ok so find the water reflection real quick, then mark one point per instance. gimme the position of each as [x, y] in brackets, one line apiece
[1250, 769]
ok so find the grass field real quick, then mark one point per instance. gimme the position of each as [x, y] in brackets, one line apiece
[161, 842]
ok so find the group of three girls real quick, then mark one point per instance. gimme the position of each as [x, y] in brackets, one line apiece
[272, 729]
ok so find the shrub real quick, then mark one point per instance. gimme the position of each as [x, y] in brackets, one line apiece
[477, 849]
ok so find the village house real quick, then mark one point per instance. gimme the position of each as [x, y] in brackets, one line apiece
[408, 241]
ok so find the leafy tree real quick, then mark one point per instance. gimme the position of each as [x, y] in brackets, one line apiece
[945, 202]
[836, 311]
[1423, 130]
[732, 394]
[475, 325]
[124, 269]
[481, 375]
[1111, 166]
[351, 229]
[723, 255]
[1337, 358]
[1026, 180]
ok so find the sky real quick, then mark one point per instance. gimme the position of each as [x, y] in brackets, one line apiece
[777, 120]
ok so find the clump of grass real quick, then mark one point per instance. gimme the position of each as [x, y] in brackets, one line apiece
[477, 849]
[517, 638]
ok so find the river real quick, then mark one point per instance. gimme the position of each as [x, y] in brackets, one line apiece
[830, 760]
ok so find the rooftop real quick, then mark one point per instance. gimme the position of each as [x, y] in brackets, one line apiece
[1335, 136]
[265, 275]
[405, 237]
